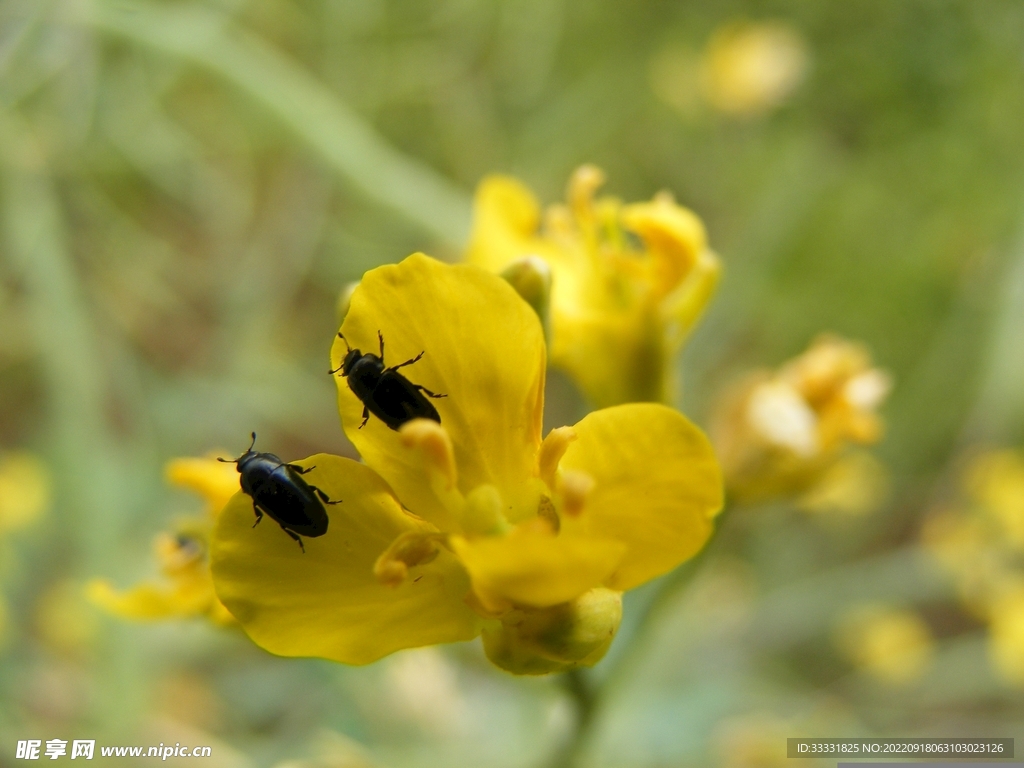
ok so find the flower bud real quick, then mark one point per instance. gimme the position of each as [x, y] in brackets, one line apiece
[541, 641]
[531, 277]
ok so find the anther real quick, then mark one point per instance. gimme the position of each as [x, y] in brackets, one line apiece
[435, 445]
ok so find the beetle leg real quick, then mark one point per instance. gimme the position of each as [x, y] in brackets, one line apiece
[426, 391]
[259, 514]
[324, 497]
[296, 537]
[366, 416]
[407, 362]
[381, 337]
[300, 470]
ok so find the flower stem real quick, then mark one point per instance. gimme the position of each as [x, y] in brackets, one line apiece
[584, 698]
[579, 685]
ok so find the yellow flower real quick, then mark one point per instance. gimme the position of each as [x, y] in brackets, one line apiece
[24, 489]
[756, 740]
[779, 432]
[980, 541]
[749, 69]
[186, 588]
[628, 281]
[995, 481]
[474, 524]
[1006, 637]
[893, 645]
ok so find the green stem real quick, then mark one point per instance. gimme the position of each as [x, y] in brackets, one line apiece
[587, 697]
[584, 697]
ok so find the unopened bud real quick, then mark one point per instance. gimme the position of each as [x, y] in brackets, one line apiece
[531, 278]
[556, 639]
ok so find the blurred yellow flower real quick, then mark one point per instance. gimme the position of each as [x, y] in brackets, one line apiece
[892, 645]
[779, 432]
[1006, 637]
[969, 547]
[215, 481]
[979, 541]
[748, 69]
[995, 481]
[182, 555]
[628, 281]
[24, 489]
[756, 740]
[474, 524]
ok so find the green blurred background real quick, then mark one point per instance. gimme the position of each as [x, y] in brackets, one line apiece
[186, 187]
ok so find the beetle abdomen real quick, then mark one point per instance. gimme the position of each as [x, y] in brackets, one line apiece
[395, 401]
[291, 502]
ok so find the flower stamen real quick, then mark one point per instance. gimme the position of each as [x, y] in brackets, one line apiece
[434, 443]
[407, 551]
[552, 449]
[573, 489]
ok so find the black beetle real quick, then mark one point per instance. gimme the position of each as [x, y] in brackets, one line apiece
[385, 392]
[277, 489]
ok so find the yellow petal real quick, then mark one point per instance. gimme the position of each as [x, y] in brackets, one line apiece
[506, 220]
[215, 481]
[658, 486]
[176, 599]
[536, 569]
[674, 236]
[505, 217]
[327, 602]
[483, 348]
[683, 307]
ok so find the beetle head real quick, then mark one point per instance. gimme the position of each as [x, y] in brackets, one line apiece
[350, 360]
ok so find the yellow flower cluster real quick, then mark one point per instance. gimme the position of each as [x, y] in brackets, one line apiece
[628, 282]
[780, 432]
[981, 542]
[182, 555]
[474, 525]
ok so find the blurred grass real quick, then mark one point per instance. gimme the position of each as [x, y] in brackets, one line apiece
[186, 186]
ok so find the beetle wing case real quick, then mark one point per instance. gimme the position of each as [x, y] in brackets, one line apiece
[396, 401]
[292, 503]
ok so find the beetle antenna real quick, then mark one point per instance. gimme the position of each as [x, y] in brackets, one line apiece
[235, 461]
[347, 350]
